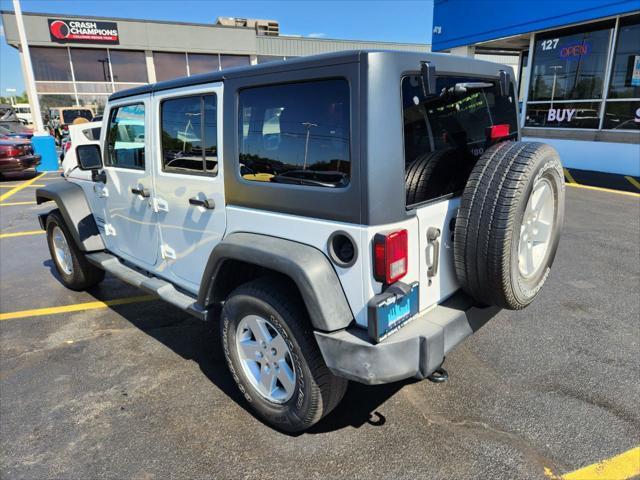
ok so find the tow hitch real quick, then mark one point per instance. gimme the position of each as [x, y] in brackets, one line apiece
[439, 375]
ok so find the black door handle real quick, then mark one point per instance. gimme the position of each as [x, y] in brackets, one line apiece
[143, 192]
[206, 203]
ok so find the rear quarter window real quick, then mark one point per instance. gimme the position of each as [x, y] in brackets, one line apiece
[296, 133]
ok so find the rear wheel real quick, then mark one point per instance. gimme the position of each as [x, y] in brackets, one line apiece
[509, 223]
[75, 271]
[272, 355]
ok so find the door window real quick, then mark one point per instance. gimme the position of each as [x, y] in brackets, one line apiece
[189, 135]
[126, 137]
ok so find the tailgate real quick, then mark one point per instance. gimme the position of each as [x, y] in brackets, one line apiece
[437, 278]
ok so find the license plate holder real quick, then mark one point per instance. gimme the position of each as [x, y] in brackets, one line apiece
[391, 310]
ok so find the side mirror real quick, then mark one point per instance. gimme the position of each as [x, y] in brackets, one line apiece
[88, 157]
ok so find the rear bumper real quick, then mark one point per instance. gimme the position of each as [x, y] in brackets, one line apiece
[415, 351]
[18, 164]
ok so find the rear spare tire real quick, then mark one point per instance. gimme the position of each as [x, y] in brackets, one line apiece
[509, 223]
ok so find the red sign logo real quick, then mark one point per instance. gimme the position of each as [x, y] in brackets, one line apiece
[83, 31]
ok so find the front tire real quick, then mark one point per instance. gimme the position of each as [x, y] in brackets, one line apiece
[272, 355]
[73, 268]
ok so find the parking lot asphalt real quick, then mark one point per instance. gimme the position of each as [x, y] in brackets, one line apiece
[136, 390]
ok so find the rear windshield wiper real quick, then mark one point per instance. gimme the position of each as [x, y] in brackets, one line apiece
[461, 88]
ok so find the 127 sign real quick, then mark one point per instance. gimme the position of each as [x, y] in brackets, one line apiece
[550, 44]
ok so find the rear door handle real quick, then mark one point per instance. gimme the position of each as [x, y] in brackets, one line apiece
[207, 203]
[143, 192]
[433, 234]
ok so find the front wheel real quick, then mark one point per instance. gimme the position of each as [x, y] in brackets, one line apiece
[273, 357]
[75, 271]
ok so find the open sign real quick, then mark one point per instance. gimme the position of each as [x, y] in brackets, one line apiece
[574, 50]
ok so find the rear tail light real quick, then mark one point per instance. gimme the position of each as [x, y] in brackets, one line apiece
[10, 151]
[67, 146]
[499, 131]
[390, 254]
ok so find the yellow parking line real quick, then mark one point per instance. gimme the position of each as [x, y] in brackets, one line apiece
[34, 185]
[600, 189]
[17, 188]
[21, 234]
[77, 307]
[569, 176]
[621, 467]
[13, 204]
[633, 181]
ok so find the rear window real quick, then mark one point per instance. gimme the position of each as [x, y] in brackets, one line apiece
[448, 132]
[296, 133]
[68, 116]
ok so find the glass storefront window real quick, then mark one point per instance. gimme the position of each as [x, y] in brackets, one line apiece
[54, 87]
[169, 65]
[570, 67]
[625, 75]
[269, 58]
[568, 70]
[51, 64]
[90, 65]
[624, 113]
[128, 66]
[95, 102]
[564, 115]
[203, 63]
[48, 102]
[230, 61]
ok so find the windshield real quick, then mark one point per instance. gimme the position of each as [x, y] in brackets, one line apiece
[68, 116]
[458, 122]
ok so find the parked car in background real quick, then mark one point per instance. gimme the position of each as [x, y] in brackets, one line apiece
[23, 112]
[83, 134]
[61, 117]
[17, 156]
[15, 130]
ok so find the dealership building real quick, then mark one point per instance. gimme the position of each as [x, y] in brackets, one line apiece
[81, 61]
[580, 74]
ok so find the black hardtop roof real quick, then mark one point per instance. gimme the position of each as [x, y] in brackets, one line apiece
[298, 63]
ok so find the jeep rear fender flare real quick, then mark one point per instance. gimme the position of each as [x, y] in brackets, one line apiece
[75, 210]
[306, 266]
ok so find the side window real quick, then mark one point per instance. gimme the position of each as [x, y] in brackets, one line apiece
[189, 135]
[296, 133]
[126, 137]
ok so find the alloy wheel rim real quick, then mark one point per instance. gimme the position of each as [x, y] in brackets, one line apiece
[266, 359]
[536, 228]
[62, 251]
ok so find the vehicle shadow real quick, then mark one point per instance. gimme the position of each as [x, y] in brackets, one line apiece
[199, 341]
[18, 176]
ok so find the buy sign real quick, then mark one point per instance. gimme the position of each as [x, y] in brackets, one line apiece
[560, 114]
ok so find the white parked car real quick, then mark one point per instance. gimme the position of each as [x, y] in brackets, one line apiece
[81, 134]
[349, 216]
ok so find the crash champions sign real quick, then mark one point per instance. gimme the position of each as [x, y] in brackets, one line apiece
[83, 31]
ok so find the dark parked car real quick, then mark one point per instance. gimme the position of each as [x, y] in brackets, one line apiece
[14, 130]
[17, 156]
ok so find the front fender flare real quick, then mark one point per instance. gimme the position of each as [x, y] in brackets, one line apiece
[306, 266]
[74, 208]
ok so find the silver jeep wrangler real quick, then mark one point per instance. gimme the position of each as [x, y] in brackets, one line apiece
[350, 216]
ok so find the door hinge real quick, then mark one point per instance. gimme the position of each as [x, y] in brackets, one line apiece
[109, 230]
[167, 252]
[160, 205]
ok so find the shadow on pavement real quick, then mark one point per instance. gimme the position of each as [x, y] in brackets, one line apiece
[195, 340]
